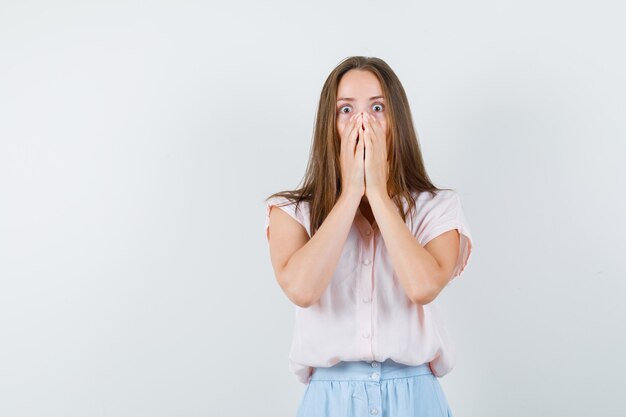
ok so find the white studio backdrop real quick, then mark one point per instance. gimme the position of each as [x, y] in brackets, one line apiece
[139, 140]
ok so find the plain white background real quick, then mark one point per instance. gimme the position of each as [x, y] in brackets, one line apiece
[138, 141]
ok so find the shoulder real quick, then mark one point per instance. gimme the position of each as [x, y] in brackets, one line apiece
[426, 201]
[299, 211]
[288, 204]
[439, 213]
[431, 207]
[427, 196]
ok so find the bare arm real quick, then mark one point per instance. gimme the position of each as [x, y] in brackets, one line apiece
[304, 266]
[422, 271]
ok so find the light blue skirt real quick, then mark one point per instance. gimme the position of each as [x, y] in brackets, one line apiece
[373, 389]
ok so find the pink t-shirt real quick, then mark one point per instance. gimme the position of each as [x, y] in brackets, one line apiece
[364, 314]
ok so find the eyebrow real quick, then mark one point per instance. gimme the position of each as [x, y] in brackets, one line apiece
[351, 99]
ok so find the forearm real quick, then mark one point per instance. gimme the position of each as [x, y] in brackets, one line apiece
[416, 268]
[311, 268]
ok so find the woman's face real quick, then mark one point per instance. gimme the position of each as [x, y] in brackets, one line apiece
[360, 91]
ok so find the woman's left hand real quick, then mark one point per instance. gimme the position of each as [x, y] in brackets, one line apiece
[376, 165]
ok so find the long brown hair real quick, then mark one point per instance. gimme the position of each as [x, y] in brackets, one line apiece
[322, 180]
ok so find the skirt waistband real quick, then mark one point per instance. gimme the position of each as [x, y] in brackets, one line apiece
[368, 371]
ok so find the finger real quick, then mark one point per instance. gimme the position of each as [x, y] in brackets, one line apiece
[348, 127]
[380, 134]
[356, 129]
[349, 132]
[360, 151]
[368, 134]
[362, 142]
[374, 131]
[376, 126]
[364, 134]
[353, 131]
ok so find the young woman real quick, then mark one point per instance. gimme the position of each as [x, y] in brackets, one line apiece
[362, 249]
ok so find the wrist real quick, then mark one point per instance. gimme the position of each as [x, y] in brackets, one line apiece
[376, 197]
[352, 197]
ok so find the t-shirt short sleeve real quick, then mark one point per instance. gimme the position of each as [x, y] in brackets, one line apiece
[442, 213]
[300, 215]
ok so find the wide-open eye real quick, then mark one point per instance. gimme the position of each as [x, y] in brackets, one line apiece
[341, 109]
[378, 105]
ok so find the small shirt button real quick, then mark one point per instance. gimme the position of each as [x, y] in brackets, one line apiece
[366, 299]
[374, 364]
[374, 411]
[375, 375]
[367, 262]
[366, 335]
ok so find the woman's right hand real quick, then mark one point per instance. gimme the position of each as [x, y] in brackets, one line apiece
[351, 156]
